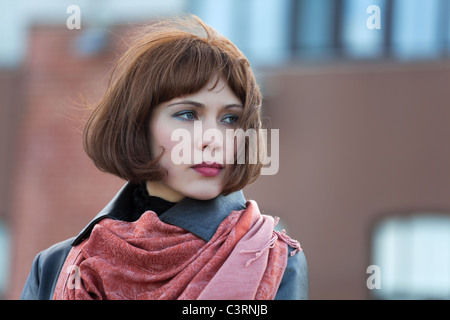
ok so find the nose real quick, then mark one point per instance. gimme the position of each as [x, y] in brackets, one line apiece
[211, 137]
[214, 144]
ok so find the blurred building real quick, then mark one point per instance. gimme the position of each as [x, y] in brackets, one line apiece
[363, 115]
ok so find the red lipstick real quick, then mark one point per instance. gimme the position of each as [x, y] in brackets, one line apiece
[208, 170]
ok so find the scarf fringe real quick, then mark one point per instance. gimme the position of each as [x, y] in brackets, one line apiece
[271, 244]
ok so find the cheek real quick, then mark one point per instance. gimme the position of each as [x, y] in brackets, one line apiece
[161, 137]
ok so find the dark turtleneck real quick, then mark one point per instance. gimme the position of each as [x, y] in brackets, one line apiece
[142, 202]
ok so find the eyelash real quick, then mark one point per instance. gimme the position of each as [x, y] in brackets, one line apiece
[179, 115]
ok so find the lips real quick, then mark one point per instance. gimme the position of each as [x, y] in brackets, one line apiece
[208, 170]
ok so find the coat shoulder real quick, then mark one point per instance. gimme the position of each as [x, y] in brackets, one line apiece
[45, 271]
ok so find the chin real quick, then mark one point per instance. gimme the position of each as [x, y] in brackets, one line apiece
[206, 197]
[204, 194]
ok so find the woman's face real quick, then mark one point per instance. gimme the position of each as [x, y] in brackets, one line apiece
[201, 176]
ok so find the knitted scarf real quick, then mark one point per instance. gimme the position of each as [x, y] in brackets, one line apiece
[149, 259]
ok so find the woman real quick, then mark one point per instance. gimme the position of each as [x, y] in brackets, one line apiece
[180, 228]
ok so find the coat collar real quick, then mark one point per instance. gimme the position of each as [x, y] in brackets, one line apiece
[200, 217]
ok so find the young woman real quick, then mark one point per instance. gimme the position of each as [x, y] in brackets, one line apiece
[177, 229]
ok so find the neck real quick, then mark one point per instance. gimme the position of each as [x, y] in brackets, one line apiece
[161, 190]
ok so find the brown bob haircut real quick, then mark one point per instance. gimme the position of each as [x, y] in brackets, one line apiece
[168, 59]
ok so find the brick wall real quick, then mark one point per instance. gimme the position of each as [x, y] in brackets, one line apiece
[56, 189]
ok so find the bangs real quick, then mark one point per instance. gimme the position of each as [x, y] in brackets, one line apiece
[190, 64]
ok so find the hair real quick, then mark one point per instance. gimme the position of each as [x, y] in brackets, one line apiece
[169, 59]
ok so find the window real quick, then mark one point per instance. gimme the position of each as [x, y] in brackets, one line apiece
[274, 32]
[4, 257]
[419, 28]
[358, 40]
[260, 28]
[413, 254]
[313, 25]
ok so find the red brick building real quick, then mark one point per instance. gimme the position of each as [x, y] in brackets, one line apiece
[55, 188]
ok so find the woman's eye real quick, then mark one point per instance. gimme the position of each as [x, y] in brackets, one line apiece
[230, 119]
[185, 115]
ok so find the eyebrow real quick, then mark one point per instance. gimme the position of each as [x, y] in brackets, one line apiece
[201, 105]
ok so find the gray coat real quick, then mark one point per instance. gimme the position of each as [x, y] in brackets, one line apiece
[47, 265]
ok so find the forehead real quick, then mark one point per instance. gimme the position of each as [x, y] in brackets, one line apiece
[215, 92]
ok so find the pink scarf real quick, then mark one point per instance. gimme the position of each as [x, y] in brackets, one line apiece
[149, 259]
